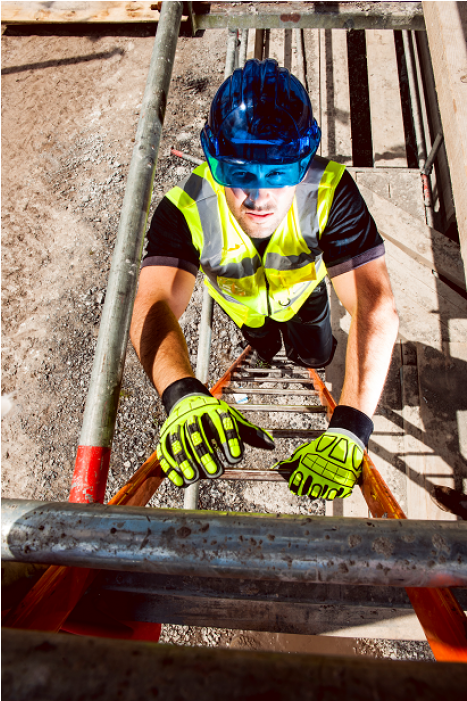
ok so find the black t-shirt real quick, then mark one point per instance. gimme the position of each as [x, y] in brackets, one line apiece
[349, 240]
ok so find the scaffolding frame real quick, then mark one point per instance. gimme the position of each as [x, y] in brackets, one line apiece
[447, 636]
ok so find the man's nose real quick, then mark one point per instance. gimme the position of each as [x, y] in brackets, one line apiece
[257, 196]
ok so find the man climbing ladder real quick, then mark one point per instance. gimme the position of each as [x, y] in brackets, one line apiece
[266, 220]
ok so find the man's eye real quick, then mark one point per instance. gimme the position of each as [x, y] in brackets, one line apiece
[275, 175]
[244, 178]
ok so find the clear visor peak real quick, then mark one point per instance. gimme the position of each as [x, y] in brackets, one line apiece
[258, 175]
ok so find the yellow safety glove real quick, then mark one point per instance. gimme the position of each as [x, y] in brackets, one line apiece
[330, 466]
[199, 429]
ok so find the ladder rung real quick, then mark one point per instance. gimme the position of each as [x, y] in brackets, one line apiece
[308, 433]
[256, 475]
[266, 371]
[275, 390]
[281, 380]
[298, 409]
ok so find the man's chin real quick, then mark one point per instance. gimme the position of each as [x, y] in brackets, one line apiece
[258, 230]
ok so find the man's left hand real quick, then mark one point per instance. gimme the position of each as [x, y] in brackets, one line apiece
[329, 467]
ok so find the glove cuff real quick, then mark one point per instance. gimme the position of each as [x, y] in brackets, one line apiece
[180, 389]
[353, 420]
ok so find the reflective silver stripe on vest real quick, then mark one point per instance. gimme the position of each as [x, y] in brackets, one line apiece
[306, 197]
[237, 271]
[205, 197]
[278, 262]
[202, 192]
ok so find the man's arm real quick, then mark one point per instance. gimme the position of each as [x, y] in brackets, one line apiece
[367, 296]
[162, 297]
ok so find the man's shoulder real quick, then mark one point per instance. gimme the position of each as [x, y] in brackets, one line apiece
[196, 187]
[322, 171]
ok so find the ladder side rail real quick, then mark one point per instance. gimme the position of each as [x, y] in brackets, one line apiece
[442, 619]
[50, 601]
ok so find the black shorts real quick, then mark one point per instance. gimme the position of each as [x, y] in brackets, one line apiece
[308, 338]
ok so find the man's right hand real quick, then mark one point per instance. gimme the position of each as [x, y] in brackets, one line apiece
[197, 428]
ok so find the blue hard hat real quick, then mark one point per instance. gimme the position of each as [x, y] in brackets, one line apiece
[261, 131]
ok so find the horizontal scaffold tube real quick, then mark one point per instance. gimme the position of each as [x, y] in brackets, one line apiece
[202, 543]
[52, 667]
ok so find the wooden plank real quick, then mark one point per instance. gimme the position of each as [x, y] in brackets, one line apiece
[443, 406]
[434, 412]
[328, 79]
[277, 45]
[413, 450]
[419, 296]
[385, 103]
[446, 26]
[79, 12]
[311, 50]
[342, 151]
[424, 244]
[422, 314]
[386, 441]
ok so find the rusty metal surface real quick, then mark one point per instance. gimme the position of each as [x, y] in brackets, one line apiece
[48, 667]
[316, 15]
[289, 548]
[263, 605]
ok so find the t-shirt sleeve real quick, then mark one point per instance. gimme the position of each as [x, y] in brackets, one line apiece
[350, 238]
[169, 240]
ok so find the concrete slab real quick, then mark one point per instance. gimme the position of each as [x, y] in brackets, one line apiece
[403, 190]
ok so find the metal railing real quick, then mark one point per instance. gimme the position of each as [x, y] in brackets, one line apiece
[350, 551]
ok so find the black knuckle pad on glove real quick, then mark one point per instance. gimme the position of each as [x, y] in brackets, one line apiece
[230, 426]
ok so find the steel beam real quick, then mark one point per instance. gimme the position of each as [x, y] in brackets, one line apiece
[203, 543]
[313, 15]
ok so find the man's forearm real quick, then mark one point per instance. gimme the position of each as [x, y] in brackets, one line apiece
[160, 345]
[369, 350]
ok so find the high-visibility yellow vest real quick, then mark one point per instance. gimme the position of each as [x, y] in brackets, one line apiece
[250, 287]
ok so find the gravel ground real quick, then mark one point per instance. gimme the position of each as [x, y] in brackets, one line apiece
[70, 107]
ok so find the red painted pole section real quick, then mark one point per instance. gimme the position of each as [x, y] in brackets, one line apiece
[90, 475]
[54, 596]
[442, 619]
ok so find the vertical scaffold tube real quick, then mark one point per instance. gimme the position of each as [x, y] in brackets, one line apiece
[243, 50]
[191, 494]
[93, 455]
[415, 101]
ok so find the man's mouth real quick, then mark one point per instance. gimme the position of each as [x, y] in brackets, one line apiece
[259, 215]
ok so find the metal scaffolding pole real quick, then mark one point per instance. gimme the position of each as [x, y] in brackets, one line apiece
[418, 125]
[243, 50]
[93, 455]
[312, 15]
[191, 494]
[198, 543]
[48, 667]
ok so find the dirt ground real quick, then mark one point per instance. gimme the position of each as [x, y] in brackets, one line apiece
[70, 106]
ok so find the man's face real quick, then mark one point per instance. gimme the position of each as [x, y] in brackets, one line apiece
[259, 212]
